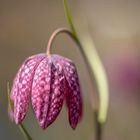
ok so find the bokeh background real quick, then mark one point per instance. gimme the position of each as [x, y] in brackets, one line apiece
[114, 25]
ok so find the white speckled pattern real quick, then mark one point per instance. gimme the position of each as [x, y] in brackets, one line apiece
[73, 96]
[50, 79]
[22, 86]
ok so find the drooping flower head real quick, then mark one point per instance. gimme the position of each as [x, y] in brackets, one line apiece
[47, 80]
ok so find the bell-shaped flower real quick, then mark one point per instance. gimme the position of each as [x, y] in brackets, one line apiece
[47, 80]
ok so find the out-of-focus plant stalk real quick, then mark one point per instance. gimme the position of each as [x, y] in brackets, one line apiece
[94, 67]
[100, 76]
[101, 83]
[21, 126]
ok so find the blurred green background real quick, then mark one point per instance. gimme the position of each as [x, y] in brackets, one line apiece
[25, 27]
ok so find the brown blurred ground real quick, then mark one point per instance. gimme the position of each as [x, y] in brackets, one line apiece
[25, 27]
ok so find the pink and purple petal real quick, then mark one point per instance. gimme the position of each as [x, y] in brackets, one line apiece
[57, 92]
[47, 92]
[41, 91]
[22, 86]
[73, 95]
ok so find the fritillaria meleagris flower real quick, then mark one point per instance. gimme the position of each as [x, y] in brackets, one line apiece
[47, 80]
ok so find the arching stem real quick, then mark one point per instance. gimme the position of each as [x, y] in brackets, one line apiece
[96, 68]
[53, 36]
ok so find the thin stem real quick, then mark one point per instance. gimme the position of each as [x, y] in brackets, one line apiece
[96, 68]
[54, 34]
[24, 131]
[98, 127]
[69, 18]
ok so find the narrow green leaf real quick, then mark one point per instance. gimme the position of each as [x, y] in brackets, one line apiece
[21, 126]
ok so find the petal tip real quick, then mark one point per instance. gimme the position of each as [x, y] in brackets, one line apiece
[73, 126]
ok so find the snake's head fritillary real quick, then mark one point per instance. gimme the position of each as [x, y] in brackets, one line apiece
[48, 80]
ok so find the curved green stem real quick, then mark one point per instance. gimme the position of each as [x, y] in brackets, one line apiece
[94, 67]
[94, 63]
[100, 76]
[69, 18]
[53, 36]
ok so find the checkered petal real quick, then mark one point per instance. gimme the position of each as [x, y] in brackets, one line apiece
[47, 92]
[22, 86]
[73, 95]
[41, 91]
[58, 89]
